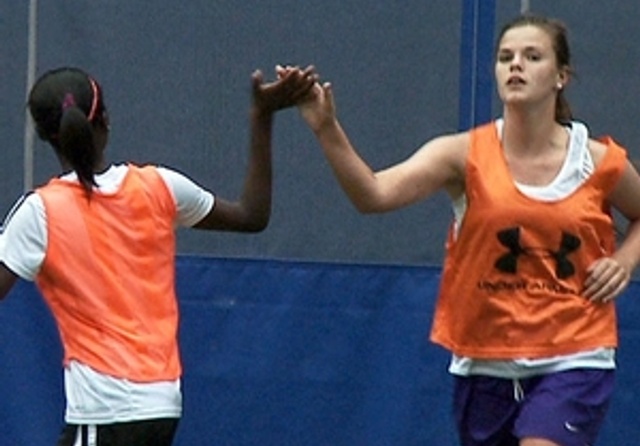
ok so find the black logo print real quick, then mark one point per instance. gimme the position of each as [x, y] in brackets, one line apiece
[510, 239]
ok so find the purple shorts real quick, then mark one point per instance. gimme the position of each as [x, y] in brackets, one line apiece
[567, 408]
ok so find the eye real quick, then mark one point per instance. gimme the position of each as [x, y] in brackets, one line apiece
[505, 56]
[534, 57]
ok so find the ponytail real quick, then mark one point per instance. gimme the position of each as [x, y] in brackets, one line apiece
[76, 145]
[67, 108]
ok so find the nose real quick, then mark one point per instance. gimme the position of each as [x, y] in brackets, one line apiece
[516, 63]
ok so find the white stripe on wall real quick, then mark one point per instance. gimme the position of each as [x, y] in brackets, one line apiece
[31, 74]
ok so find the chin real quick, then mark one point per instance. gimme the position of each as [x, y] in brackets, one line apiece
[515, 98]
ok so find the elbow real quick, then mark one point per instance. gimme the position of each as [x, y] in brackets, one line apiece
[367, 205]
[367, 200]
[257, 226]
[364, 208]
[257, 222]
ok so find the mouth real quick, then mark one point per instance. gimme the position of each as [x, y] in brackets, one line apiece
[515, 81]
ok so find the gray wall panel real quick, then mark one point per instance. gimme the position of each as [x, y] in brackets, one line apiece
[177, 84]
[13, 69]
[176, 78]
[606, 57]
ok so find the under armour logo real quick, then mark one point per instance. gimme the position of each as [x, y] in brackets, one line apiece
[510, 238]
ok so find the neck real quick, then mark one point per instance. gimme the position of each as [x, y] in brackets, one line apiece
[528, 131]
[100, 166]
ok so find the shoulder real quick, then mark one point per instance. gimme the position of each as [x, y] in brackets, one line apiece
[170, 177]
[479, 136]
[174, 178]
[454, 147]
[598, 149]
[189, 196]
[24, 236]
[445, 157]
[597, 146]
[459, 140]
[27, 217]
[606, 146]
[451, 145]
[168, 172]
[29, 204]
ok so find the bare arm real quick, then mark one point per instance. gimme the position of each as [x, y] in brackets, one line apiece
[7, 280]
[252, 211]
[609, 276]
[437, 164]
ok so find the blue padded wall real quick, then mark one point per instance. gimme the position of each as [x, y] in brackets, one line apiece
[288, 353]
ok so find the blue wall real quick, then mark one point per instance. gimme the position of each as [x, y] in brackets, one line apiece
[288, 353]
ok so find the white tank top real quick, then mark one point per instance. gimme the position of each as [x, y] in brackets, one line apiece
[577, 167]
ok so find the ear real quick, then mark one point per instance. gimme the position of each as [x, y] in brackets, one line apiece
[564, 75]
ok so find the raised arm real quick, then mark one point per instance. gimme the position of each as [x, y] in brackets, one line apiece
[439, 164]
[252, 211]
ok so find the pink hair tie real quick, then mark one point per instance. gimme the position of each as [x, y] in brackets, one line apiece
[69, 101]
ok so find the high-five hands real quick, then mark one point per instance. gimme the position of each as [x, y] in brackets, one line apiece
[287, 90]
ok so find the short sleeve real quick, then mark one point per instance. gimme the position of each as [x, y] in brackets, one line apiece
[193, 202]
[23, 241]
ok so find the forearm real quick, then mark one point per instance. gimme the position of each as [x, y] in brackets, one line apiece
[353, 174]
[628, 253]
[256, 194]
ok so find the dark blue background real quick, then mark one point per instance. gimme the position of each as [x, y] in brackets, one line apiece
[282, 353]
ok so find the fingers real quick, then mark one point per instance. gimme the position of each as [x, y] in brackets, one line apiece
[605, 281]
[283, 70]
[296, 80]
[287, 71]
[295, 73]
[308, 79]
[328, 91]
[293, 86]
[280, 71]
[257, 74]
[257, 78]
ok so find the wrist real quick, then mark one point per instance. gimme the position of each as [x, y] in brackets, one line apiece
[261, 112]
[326, 126]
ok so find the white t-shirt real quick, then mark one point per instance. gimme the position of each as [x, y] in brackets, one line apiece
[93, 397]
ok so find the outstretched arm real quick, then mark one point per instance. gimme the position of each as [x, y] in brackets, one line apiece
[252, 211]
[437, 164]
